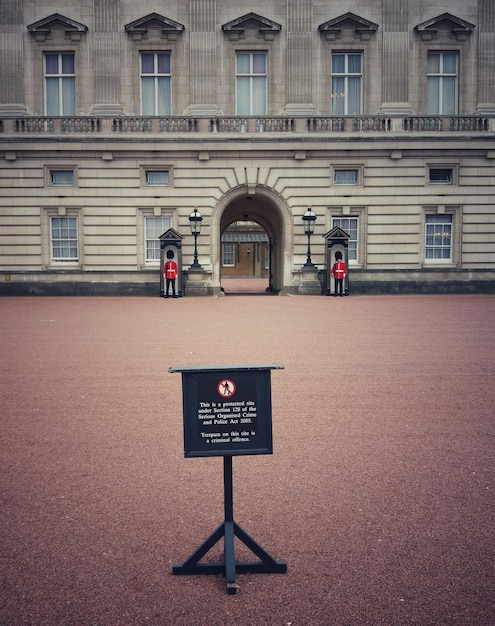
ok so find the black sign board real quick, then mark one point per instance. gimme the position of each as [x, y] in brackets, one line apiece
[227, 410]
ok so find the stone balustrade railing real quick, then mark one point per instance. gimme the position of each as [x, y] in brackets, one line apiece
[236, 125]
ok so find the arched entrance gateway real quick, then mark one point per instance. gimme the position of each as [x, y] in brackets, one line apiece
[265, 208]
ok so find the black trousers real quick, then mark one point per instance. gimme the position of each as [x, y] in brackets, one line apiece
[339, 285]
[170, 281]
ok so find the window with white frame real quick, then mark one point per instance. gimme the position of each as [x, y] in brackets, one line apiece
[251, 83]
[351, 226]
[60, 83]
[153, 228]
[228, 254]
[442, 83]
[347, 80]
[156, 83]
[438, 237]
[346, 176]
[62, 178]
[157, 177]
[64, 239]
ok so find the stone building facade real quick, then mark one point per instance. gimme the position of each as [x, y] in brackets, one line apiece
[117, 119]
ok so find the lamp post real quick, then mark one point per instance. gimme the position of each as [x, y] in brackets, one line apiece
[195, 220]
[309, 219]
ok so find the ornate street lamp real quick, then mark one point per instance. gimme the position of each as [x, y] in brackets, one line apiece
[309, 219]
[195, 220]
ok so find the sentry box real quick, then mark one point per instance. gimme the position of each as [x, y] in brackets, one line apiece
[227, 410]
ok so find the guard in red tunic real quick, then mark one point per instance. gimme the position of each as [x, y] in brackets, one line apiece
[170, 271]
[339, 272]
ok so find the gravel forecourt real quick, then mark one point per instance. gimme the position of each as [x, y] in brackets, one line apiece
[379, 493]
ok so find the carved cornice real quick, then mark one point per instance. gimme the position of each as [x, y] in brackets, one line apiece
[266, 29]
[363, 29]
[43, 29]
[455, 27]
[147, 26]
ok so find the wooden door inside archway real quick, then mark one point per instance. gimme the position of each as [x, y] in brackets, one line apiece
[245, 250]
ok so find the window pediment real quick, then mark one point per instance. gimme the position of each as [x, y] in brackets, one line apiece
[266, 29]
[455, 27]
[43, 29]
[171, 235]
[363, 29]
[154, 24]
[336, 233]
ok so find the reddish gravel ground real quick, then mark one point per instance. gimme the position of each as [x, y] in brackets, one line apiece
[379, 494]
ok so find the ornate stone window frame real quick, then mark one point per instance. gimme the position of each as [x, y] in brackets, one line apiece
[144, 212]
[46, 251]
[252, 33]
[152, 33]
[347, 33]
[347, 211]
[61, 35]
[456, 211]
[454, 167]
[446, 33]
[144, 167]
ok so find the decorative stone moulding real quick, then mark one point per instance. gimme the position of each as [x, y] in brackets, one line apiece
[333, 29]
[152, 25]
[266, 29]
[42, 30]
[454, 27]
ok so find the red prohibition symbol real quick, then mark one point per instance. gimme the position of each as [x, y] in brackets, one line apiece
[226, 388]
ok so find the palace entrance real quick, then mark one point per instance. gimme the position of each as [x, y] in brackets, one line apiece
[252, 241]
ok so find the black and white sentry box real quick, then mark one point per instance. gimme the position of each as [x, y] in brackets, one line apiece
[227, 410]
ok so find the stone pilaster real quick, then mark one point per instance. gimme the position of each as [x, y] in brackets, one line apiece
[202, 59]
[300, 47]
[486, 77]
[12, 96]
[107, 56]
[395, 57]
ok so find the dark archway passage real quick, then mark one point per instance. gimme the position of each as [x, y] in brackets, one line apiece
[256, 221]
[245, 259]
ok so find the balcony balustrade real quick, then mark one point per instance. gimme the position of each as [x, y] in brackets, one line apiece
[237, 125]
